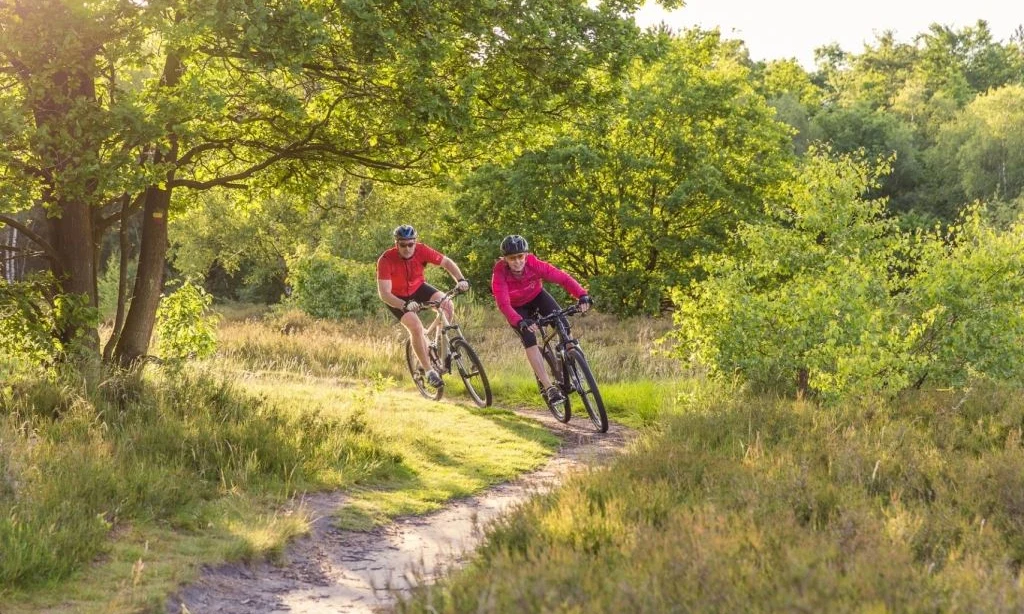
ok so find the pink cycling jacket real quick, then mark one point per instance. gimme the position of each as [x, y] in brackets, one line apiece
[512, 291]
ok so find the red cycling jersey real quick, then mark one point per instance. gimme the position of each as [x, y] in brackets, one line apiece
[406, 275]
[511, 290]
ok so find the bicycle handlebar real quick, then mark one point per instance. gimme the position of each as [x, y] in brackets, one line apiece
[551, 317]
[447, 295]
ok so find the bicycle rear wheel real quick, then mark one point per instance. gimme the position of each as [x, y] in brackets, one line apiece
[582, 381]
[561, 411]
[472, 372]
[418, 376]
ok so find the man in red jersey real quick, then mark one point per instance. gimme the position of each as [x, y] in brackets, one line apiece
[518, 285]
[401, 286]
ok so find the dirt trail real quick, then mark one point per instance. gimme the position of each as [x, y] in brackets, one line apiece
[332, 570]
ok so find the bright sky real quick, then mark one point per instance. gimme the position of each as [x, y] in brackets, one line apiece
[774, 29]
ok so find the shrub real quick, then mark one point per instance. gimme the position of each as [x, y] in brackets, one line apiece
[26, 324]
[967, 304]
[827, 295]
[184, 326]
[326, 286]
[39, 326]
[805, 301]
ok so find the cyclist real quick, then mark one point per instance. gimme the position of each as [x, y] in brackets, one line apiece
[401, 286]
[517, 282]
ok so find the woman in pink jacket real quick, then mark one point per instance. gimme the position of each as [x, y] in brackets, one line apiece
[518, 286]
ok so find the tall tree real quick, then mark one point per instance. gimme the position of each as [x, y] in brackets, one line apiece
[56, 125]
[980, 154]
[790, 90]
[880, 135]
[115, 101]
[627, 195]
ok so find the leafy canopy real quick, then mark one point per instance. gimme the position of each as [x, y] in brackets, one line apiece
[827, 295]
[627, 193]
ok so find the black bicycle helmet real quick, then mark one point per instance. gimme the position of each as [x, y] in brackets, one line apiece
[514, 244]
[404, 233]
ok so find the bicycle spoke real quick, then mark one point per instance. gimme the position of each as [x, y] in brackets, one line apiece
[472, 372]
[586, 386]
[419, 378]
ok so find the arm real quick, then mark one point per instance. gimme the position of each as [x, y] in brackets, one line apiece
[384, 292]
[500, 289]
[453, 269]
[384, 285]
[549, 272]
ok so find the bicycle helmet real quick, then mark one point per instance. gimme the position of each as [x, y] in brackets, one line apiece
[514, 244]
[404, 232]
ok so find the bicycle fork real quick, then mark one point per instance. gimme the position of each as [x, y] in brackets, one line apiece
[557, 364]
[448, 342]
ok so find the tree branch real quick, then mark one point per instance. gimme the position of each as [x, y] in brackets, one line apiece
[186, 158]
[28, 169]
[48, 250]
[106, 222]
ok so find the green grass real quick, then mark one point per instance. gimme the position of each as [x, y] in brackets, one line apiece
[434, 451]
[87, 464]
[108, 508]
[114, 487]
[748, 503]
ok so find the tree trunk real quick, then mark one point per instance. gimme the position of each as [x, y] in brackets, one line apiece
[133, 343]
[803, 377]
[58, 81]
[71, 236]
[70, 218]
[122, 280]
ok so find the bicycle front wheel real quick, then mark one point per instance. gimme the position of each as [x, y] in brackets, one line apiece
[583, 382]
[418, 376]
[472, 372]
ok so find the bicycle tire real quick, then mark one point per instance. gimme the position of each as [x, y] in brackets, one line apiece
[418, 376]
[583, 382]
[470, 367]
[563, 411]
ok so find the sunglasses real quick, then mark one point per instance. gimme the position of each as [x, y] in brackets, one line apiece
[515, 257]
[405, 243]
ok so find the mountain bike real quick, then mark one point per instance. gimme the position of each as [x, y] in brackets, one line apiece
[447, 347]
[568, 368]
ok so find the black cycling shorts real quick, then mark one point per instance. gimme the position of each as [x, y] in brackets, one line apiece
[541, 305]
[422, 294]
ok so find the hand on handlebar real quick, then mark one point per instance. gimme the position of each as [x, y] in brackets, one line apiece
[584, 303]
[462, 286]
[527, 324]
[576, 308]
[412, 306]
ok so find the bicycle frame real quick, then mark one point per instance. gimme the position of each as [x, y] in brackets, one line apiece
[557, 325]
[440, 330]
[570, 368]
[448, 351]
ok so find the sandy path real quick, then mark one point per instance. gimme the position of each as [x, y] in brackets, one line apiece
[331, 570]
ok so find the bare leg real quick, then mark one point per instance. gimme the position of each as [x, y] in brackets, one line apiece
[447, 307]
[537, 362]
[412, 323]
